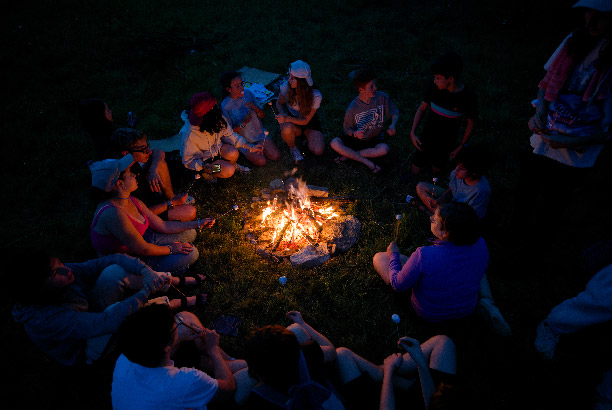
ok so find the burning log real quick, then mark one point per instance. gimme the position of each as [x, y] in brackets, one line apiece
[280, 235]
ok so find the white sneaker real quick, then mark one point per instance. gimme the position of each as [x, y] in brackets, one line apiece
[487, 310]
[546, 341]
[296, 155]
[242, 169]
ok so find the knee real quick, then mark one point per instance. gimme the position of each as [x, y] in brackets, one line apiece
[385, 149]
[336, 144]
[443, 342]
[259, 161]
[343, 353]
[191, 213]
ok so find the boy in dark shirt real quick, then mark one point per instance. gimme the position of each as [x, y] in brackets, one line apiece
[450, 101]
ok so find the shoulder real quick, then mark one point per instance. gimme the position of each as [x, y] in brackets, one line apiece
[225, 102]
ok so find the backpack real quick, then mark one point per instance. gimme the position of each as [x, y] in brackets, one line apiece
[306, 395]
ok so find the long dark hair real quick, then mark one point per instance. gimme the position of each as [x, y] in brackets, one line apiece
[303, 95]
[213, 121]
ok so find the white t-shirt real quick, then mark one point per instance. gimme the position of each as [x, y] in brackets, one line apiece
[160, 388]
[295, 108]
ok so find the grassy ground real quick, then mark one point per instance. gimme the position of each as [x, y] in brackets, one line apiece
[150, 56]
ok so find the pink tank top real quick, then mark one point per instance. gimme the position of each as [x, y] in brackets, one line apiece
[107, 244]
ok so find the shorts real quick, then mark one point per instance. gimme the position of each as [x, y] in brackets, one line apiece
[314, 123]
[435, 152]
[357, 145]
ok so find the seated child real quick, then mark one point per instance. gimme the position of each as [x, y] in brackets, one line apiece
[240, 107]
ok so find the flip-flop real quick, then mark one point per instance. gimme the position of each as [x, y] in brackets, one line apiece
[339, 160]
[376, 169]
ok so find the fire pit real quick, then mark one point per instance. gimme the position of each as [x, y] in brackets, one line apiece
[300, 223]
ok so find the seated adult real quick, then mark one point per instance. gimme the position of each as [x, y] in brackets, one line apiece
[468, 183]
[364, 121]
[297, 105]
[206, 134]
[70, 311]
[240, 107]
[278, 358]
[124, 224]
[145, 375]
[444, 277]
[153, 175]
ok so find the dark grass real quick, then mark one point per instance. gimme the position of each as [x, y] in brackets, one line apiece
[149, 57]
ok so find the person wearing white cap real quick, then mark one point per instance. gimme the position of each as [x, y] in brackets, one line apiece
[124, 224]
[297, 106]
[573, 112]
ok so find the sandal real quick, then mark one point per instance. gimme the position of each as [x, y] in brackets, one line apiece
[199, 301]
[339, 160]
[375, 169]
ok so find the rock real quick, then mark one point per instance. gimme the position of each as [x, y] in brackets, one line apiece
[342, 232]
[277, 183]
[310, 256]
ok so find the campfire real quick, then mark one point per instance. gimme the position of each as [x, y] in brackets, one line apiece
[294, 221]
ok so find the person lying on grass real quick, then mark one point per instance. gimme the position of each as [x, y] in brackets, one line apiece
[364, 121]
[124, 224]
[145, 375]
[240, 107]
[70, 311]
[468, 184]
[446, 277]
[207, 134]
[131, 141]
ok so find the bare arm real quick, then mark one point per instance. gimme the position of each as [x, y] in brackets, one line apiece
[387, 395]
[414, 349]
[329, 351]
[223, 374]
[418, 116]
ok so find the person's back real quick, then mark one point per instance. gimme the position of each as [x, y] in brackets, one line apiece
[166, 387]
[450, 279]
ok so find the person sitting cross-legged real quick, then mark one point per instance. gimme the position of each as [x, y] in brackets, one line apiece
[124, 224]
[206, 134]
[145, 375]
[364, 123]
[447, 277]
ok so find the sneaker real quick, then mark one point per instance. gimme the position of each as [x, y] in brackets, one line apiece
[486, 309]
[296, 155]
[242, 169]
[546, 341]
[190, 200]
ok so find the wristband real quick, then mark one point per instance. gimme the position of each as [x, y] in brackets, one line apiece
[169, 247]
[170, 206]
[198, 221]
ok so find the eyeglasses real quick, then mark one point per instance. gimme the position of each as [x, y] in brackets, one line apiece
[143, 149]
